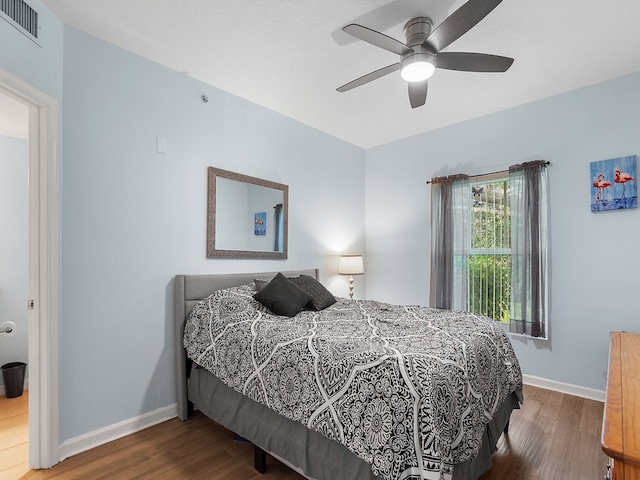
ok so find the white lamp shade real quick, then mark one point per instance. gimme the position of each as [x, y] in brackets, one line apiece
[351, 265]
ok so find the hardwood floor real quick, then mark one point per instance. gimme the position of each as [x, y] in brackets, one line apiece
[553, 436]
[14, 436]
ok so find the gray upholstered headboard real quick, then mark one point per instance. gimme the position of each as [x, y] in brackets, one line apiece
[189, 289]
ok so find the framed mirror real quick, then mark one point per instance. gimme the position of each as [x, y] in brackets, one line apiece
[247, 217]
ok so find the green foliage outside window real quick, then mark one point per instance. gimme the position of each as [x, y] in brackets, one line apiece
[490, 256]
[490, 286]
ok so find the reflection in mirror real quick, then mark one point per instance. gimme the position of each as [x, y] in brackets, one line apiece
[246, 216]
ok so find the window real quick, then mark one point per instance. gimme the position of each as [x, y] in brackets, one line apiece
[489, 264]
[489, 244]
[278, 227]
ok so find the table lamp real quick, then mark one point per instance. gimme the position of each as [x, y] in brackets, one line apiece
[351, 265]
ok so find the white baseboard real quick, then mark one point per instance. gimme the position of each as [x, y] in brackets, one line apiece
[90, 440]
[569, 389]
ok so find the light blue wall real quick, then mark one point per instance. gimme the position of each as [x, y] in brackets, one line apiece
[39, 65]
[134, 218]
[14, 247]
[594, 257]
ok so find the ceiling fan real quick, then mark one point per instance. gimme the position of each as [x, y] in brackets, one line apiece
[421, 53]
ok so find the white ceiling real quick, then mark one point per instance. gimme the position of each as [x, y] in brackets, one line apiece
[291, 55]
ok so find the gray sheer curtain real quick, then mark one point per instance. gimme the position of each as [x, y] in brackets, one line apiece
[450, 234]
[277, 242]
[529, 248]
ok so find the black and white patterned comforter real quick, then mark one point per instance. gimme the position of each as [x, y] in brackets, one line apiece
[408, 389]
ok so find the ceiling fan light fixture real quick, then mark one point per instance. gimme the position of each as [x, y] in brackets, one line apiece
[417, 67]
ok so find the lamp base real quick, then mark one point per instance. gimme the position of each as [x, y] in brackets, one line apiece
[351, 287]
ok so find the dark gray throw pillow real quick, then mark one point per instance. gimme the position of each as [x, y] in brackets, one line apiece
[283, 297]
[260, 284]
[321, 298]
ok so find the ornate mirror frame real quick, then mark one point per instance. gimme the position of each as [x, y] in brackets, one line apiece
[212, 250]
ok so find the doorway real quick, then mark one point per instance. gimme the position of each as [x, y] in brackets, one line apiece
[14, 283]
[42, 308]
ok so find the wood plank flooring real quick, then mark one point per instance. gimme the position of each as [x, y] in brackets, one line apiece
[553, 436]
[14, 436]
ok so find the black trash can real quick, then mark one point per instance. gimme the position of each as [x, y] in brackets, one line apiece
[13, 377]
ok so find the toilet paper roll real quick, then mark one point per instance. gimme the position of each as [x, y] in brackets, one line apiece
[5, 327]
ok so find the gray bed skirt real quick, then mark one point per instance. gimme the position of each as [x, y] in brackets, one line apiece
[302, 447]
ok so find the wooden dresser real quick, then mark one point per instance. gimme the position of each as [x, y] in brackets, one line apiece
[621, 421]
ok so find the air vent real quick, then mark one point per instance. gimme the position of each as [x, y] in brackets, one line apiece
[21, 15]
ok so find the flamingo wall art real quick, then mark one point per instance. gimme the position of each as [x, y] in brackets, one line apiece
[260, 223]
[614, 184]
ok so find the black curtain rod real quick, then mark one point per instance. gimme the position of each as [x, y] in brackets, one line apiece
[490, 173]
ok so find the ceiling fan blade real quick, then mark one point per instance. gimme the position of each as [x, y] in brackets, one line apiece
[418, 93]
[473, 62]
[459, 23]
[378, 39]
[369, 77]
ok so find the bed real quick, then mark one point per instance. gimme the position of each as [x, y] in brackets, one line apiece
[335, 427]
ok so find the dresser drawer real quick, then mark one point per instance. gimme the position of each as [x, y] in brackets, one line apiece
[621, 421]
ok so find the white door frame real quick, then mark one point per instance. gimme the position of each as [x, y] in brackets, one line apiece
[43, 269]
